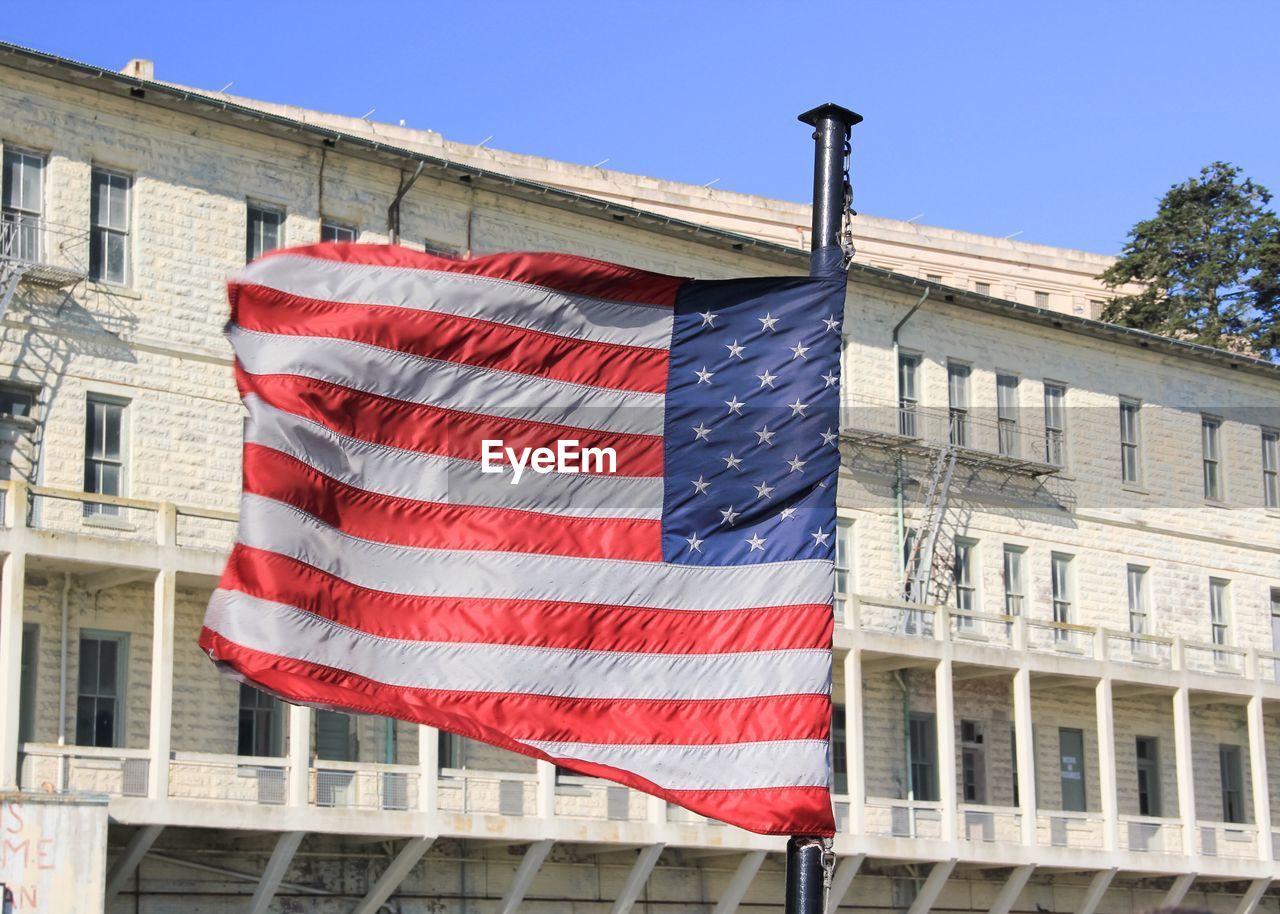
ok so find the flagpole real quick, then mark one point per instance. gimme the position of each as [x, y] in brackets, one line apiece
[807, 855]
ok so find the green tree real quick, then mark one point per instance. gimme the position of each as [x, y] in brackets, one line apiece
[1209, 265]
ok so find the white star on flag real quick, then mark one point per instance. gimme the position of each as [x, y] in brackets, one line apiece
[796, 464]
[820, 538]
[765, 436]
[768, 322]
[798, 408]
[695, 544]
[787, 514]
[735, 406]
[799, 351]
[700, 432]
[731, 462]
[708, 318]
[766, 379]
[764, 489]
[831, 379]
[756, 542]
[735, 351]
[829, 437]
[704, 376]
[832, 324]
[701, 485]
[728, 515]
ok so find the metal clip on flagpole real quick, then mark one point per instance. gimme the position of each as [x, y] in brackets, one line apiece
[809, 859]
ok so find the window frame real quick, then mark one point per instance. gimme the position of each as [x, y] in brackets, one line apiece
[252, 206]
[1151, 764]
[22, 215]
[1062, 589]
[121, 462]
[964, 568]
[1212, 465]
[96, 229]
[1014, 601]
[959, 380]
[121, 697]
[1007, 413]
[1040, 298]
[927, 768]
[1131, 441]
[909, 404]
[273, 710]
[339, 228]
[1232, 789]
[1055, 437]
[839, 750]
[1220, 613]
[1271, 468]
[844, 559]
[29, 679]
[1139, 602]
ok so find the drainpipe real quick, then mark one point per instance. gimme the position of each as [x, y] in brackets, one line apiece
[899, 510]
[62, 661]
[908, 788]
[393, 211]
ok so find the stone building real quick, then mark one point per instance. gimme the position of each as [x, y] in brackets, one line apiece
[1075, 710]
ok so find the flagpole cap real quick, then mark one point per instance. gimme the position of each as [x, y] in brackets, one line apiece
[830, 111]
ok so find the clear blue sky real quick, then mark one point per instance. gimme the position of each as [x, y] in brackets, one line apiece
[1064, 121]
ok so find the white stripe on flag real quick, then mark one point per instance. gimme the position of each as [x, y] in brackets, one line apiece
[390, 373]
[275, 527]
[276, 628]
[428, 477]
[499, 300]
[728, 766]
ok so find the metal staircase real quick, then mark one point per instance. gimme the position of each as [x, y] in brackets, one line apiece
[918, 573]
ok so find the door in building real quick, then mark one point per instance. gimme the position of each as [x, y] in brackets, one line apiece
[1147, 749]
[1071, 760]
[334, 740]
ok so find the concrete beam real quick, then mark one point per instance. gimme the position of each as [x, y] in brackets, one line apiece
[1249, 901]
[393, 875]
[637, 878]
[738, 885]
[277, 866]
[114, 577]
[1097, 888]
[846, 869]
[127, 863]
[890, 664]
[13, 575]
[1178, 890]
[932, 888]
[1013, 887]
[529, 867]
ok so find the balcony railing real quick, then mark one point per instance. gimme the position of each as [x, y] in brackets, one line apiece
[85, 769]
[990, 824]
[1070, 829]
[1151, 835]
[978, 435]
[1228, 839]
[46, 252]
[890, 818]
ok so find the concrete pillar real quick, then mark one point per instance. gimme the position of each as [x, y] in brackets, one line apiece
[299, 755]
[429, 771]
[855, 750]
[932, 888]
[161, 714]
[393, 875]
[637, 879]
[743, 876]
[1258, 777]
[1097, 888]
[546, 804]
[13, 574]
[124, 866]
[1012, 888]
[1024, 750]
[529, 866]
[1186, 773]
[277, 866]
[1107, 764]
[946, 735]
[842, 878]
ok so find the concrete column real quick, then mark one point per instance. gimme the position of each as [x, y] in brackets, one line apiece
[546, 804]
[1024, 750]
[277, 866]
[299, 755]
[161, 716]
[1258, 777]
[393, 875]
[841, 879]
[429, 771]
[1012, 888]
[13, 574]
[636, 879]
[1252, 896]
[1098, 886]
[529, 866]
[932, 888]
[946, 735]
[1107, 764]
[1186, 772]
[855, 749]
[743, 876]
[124, 866]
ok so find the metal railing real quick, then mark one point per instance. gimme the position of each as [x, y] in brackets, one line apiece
[1069, 829]
[891, 818]
[85, 769]
[48, 252]
[1228, 839]
[1151, 835]
[236, 779]
[990, 824]
[492, 792]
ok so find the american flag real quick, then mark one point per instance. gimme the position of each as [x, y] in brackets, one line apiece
[666, 625]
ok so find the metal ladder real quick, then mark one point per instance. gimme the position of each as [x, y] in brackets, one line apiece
[918, 575]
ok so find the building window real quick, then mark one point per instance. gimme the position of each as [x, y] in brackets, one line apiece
[451, 749]
[933, 277]
[100, 702]
[1231, 773]
[908, 393]
[261, 724]
[839, 752]
[1042, 299]
[17, 401]
[109, 226]
[1063, 608]
[1139, 601]
[973, 762]
[1055, 424]
[963, 578]
[265, 231]
[1147, 754]
[1071, 768]
[922, 743]
[335, 736]
[1014, 584]
[1271, 468]
[844, 562]
[104, 452]
[1007, 414]
[1211, 445]
[1219, 612]
[958, 402]
[333, 231]
[21, 203]
[30, 662]
[982, 288]
[1013, 767]
[1130, 468]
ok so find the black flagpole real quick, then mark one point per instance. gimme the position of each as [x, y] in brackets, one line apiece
[806, 872]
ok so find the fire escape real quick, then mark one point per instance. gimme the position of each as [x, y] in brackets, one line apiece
[39, 253]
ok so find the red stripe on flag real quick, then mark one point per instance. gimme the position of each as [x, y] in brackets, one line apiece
[563, 272]
[502, 718]
[773, 810]
[464, 340]
[406, 522]
[435, 430]
[533, 623]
